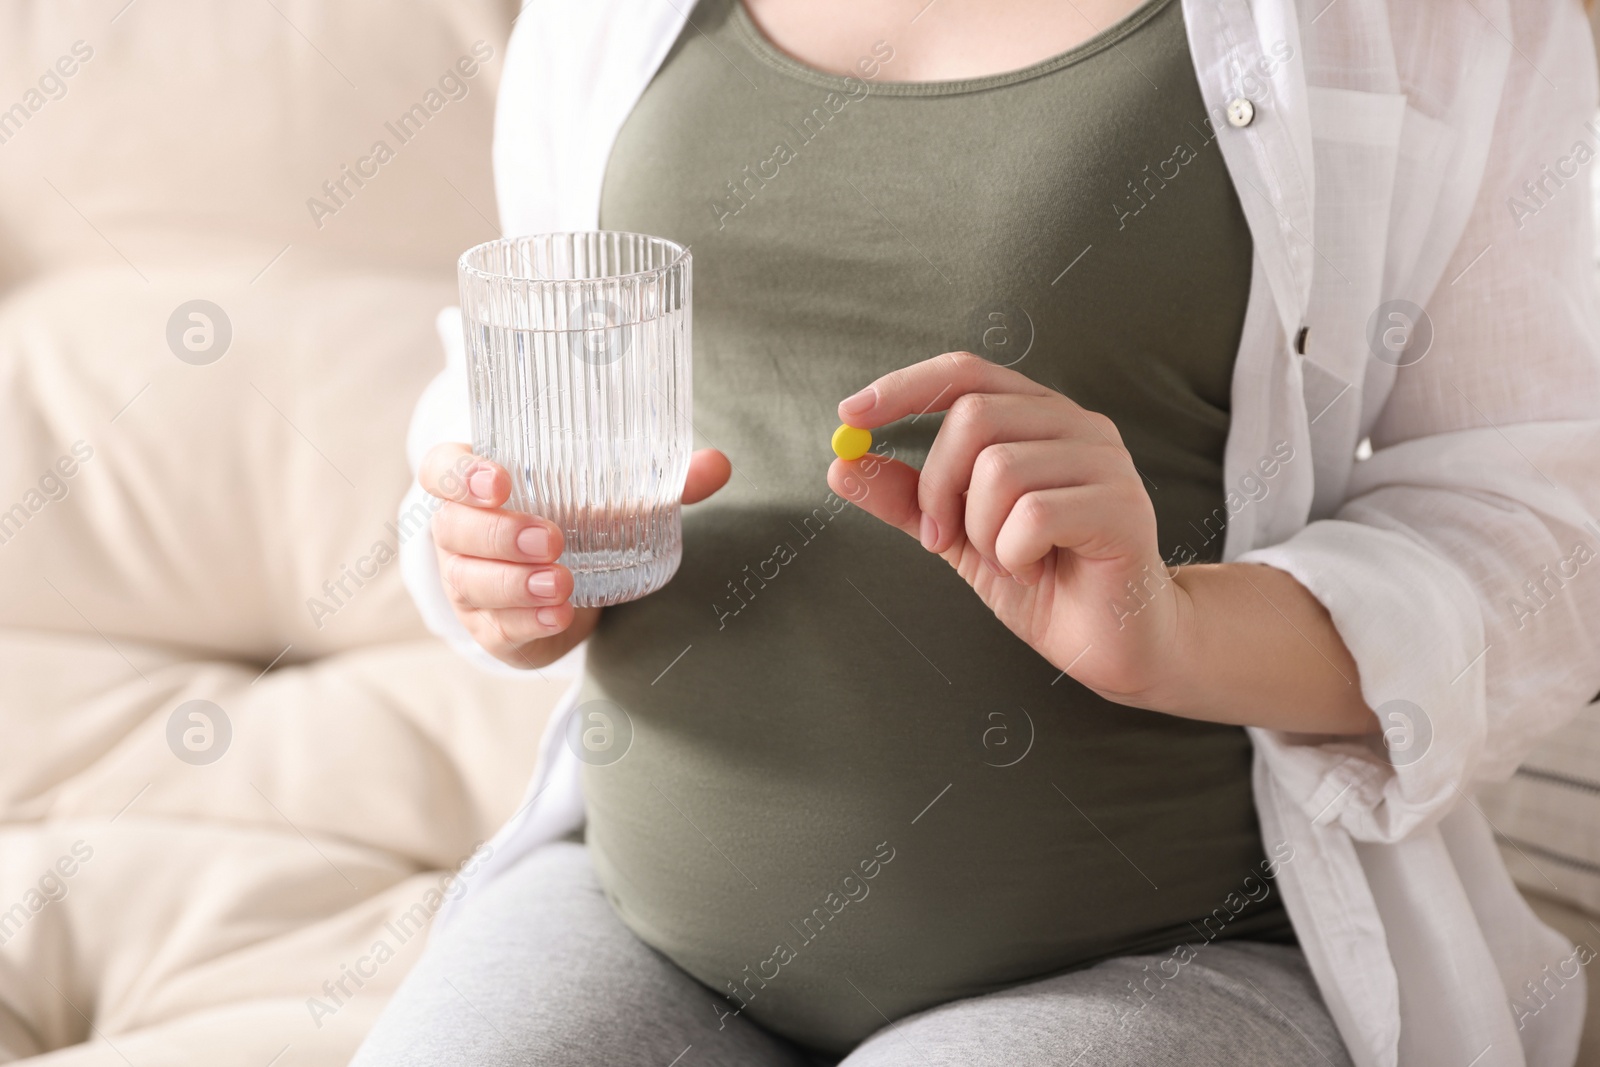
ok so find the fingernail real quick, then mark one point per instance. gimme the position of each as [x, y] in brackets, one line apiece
[534, 541]
[860, 403]
[481, 482]
[929, 534]
[548, 616]
[542, 583]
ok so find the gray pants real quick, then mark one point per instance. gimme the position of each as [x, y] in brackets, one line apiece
[541, 971]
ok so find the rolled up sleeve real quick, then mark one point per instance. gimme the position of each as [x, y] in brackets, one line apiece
[1463, 568]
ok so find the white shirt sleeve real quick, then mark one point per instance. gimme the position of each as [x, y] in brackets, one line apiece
[1463, 567]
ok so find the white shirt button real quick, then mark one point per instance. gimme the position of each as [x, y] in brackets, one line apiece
[1241, 112]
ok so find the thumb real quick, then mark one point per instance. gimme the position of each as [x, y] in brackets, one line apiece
[884, 488]
[709, 471]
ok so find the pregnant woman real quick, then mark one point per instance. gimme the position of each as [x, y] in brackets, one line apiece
[1112, 710]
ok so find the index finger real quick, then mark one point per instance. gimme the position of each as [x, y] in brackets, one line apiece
[452, 472]
[932, 385]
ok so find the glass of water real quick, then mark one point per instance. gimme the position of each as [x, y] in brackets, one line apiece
[578, 355]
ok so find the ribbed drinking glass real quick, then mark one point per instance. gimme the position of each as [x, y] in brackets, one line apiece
[578, 355]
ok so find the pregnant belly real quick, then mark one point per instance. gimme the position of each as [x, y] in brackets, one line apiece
[823, 889]
[824, 909]
[851, 794]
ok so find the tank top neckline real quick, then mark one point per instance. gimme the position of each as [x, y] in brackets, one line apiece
[759, 45]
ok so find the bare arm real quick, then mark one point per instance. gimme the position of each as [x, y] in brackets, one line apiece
[1257, 649]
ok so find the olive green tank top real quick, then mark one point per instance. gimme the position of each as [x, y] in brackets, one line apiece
[850, 792]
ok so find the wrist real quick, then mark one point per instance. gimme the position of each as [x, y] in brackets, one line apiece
[1251, 646]
[1176, 658]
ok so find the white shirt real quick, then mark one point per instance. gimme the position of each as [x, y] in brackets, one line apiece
[1420, 150]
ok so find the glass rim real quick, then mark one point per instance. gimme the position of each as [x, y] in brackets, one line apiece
[680, 256]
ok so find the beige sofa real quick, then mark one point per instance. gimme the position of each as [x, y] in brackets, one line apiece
[173, 515]
[198, 509]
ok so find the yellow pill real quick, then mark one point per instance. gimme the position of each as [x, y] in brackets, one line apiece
[851, 442]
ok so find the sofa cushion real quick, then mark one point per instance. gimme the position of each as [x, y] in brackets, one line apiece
[189, 132]
[311, 171]
[161, 888]
[237, 507]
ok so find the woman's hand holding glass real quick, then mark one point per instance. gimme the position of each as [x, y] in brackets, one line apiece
[500, 568]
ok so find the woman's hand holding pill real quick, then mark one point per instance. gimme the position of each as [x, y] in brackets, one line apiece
[1035, 501]
[500, 567]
